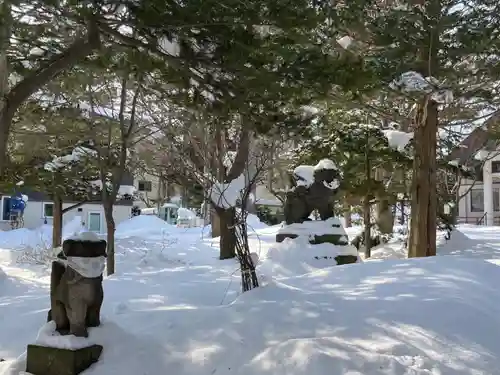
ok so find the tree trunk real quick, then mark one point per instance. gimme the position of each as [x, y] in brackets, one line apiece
[215, 222]
[402, 207]
[366, 204]
[6, 114]
[422, 241]
[368, 226]
[110, 238]
[347, 215]
[385, 216]
[227, 221]
[57, 221]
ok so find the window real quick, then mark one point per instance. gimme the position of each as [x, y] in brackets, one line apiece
[145, 186]
[48, 210]
[5, 208]
[495, 166]
[477, 200]
[496, 199]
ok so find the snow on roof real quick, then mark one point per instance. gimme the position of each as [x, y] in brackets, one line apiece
[482, 155]
[170, 205]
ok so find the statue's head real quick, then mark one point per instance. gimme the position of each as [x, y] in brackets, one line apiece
[84, 248]
[326, 172]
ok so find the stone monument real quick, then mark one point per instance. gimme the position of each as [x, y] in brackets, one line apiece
[76, 296]
[315, 189]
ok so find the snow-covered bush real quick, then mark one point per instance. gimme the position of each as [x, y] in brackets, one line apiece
[41, 254]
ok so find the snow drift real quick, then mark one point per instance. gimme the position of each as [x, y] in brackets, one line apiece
[141, 225]
[380, 318]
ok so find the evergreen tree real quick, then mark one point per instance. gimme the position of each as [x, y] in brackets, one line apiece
[456, 45]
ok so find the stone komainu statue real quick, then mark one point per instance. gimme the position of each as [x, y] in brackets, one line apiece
[76, 292]
[315, 189]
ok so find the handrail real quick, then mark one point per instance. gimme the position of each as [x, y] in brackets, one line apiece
[480, 220]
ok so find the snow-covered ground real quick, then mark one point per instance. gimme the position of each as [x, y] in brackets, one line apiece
[173, 307]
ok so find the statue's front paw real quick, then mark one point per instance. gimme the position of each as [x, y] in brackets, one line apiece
[79, 331]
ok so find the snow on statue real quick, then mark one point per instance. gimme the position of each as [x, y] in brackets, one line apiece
[315, 190]
[316, 185]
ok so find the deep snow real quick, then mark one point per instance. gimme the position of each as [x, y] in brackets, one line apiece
[173, 307]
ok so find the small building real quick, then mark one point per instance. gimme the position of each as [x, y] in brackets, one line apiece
[39, 210]
[479, 197]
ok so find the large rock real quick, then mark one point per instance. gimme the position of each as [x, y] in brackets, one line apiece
[42, 360]
[319, 232]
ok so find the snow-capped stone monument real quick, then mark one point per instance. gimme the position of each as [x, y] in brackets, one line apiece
[76, 296]
[315, 189]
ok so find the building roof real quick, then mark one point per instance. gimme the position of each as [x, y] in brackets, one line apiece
[479, 139]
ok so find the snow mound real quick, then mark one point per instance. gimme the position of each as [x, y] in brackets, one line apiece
[391, 250]
[22, 238]
[143, 353]
[254, 223]
[141, 225]
[438, 315]
[40, 237]
[184, 213]
[297, 256]
[387, 317]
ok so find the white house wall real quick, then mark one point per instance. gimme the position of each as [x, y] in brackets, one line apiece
[464, 205]
[34, 215]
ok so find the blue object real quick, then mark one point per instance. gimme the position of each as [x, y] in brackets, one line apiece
[17, 204]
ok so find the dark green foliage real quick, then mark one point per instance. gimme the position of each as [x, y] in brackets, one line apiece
[347, 143]
[261, 60]
[267, 216]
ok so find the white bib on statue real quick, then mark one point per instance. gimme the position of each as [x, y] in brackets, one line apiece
[87, 267]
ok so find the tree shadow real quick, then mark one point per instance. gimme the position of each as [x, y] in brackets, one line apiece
[414, 317]
[471, 243]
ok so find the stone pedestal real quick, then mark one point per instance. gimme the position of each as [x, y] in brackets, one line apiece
[320, 232]
[42, 360]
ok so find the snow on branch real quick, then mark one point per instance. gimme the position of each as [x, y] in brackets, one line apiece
[414, 83]
[227, 195]
[398, 139]
[345, 42]
[124, 191]
[60, 162]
